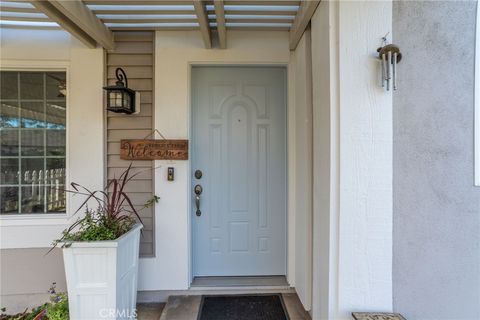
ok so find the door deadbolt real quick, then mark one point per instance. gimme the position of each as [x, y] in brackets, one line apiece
[198, 174]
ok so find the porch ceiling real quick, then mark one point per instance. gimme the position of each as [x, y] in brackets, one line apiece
[93, 20]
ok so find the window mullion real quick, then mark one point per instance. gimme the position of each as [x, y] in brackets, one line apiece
[20, 169]
[45, 142]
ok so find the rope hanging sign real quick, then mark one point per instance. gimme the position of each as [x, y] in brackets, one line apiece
[154, 149]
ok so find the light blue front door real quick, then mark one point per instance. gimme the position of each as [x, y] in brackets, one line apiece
[239, 145]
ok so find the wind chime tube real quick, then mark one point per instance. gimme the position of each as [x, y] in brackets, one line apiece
[389, 69]
[384, 70]
[395, 58]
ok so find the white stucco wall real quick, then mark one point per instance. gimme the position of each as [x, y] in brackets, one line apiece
[26, 272]
[352, 160]
[175, 52]
[301, 166]
[47, 50]
[365, 259]
[325, 166]
[436, 208]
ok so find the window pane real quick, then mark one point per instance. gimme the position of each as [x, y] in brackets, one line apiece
[9, 140]
[33, 143]
[8, 200]
[55, 185]
[33, 138]
[31, 85]
[32, 171]
[33, 199]
[55, 142]
[56, 199]
[56, 115]
[9, 85]
[56, 85]
[56, 166]
[33, 115]
[9, 113]
[9, 171]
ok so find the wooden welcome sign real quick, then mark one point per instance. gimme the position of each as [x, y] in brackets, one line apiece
[148, 149]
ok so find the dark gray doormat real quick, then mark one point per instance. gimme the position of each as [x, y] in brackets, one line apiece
[243, 307]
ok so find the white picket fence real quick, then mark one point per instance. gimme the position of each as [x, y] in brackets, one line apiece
[49, 184]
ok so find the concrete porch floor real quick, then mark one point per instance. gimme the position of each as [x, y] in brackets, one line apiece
[149, 311]
[187, 308]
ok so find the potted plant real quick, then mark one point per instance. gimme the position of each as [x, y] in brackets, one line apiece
[100, 253]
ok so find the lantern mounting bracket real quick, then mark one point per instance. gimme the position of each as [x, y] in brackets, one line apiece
[120, 74]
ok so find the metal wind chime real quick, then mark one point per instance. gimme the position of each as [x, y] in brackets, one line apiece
[390, 56]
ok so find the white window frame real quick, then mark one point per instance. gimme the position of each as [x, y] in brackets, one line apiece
[40, 219]
[477, 100]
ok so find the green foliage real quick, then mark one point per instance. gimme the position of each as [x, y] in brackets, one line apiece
[96, 226]
[152, 201]
[114, 217]
[25, 315]
[56, 309]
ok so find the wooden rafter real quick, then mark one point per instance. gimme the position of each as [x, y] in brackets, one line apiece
[132, 21]
[75, 17]
[153, 28]
[140, 12]
[202, 17]
[29, 19]
[134, 28]
[260, 28]
[138, 2]
[221, 29]
[3, 8]
[263, 2]
[260, 21]
[304, 14]
[256, 12]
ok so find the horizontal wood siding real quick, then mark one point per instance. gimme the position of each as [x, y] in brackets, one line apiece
[134, 53]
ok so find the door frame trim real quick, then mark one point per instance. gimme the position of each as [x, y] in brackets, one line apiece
[290, 218]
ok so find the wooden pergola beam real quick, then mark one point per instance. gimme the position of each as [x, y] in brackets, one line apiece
[304, 14]
[221, 29]
[77, 19]
[202, 16]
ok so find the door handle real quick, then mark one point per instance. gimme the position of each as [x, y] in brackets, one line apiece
[198, 191]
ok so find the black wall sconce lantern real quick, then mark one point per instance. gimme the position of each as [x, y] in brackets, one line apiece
[120, 98]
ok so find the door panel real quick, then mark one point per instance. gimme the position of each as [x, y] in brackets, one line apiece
[239, 144]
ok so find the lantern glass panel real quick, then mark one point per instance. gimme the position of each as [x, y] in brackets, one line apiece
[115, 98]
[126, 100]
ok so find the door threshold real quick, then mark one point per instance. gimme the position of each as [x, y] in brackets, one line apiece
[273, 282]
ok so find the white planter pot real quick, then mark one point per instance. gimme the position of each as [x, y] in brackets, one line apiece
[102, 277]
